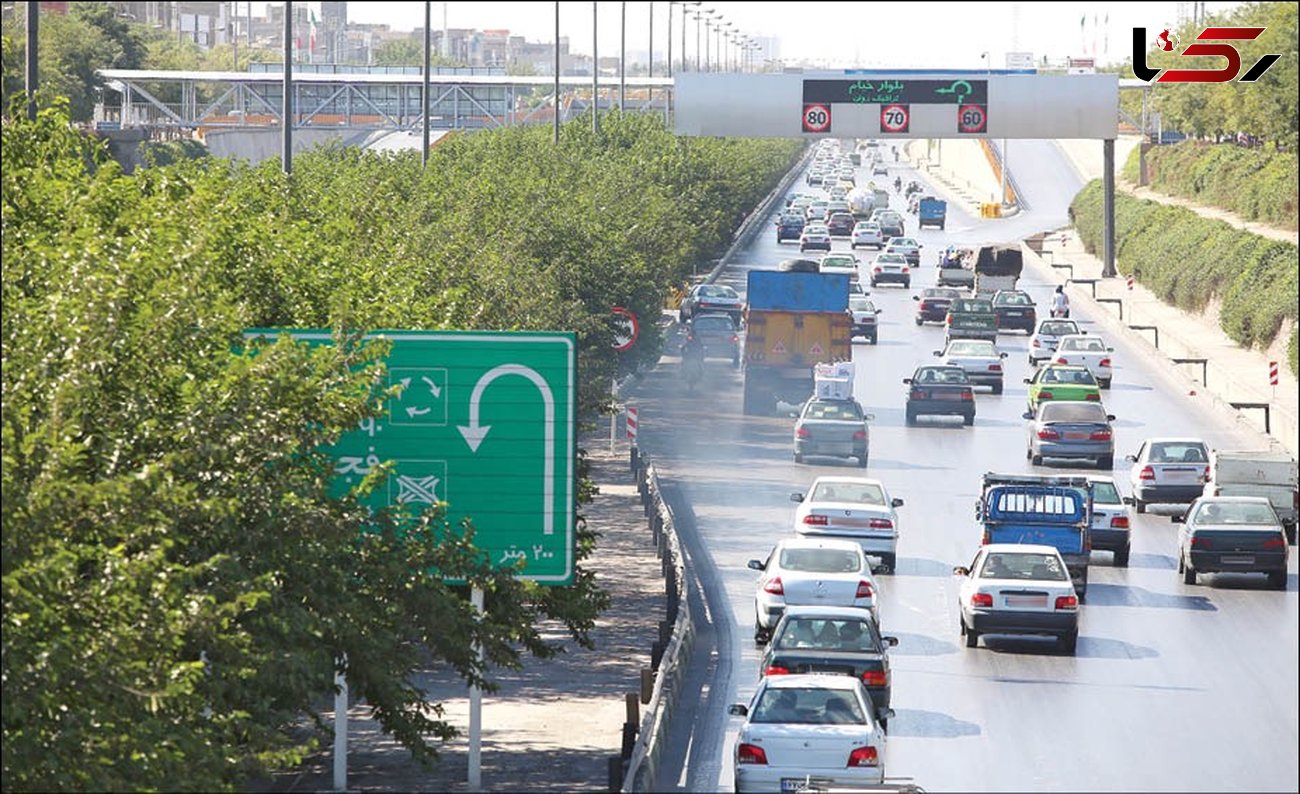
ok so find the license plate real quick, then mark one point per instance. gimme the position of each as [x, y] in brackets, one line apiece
[1239, 559]
[945, 395]
[1026, 600]
[1076, 435]
[1180, 476]
[791, 783]
[1015, 314]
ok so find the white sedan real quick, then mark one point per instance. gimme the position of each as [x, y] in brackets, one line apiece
[806, 726]
[980, 358]
[1111, 523]
[1014, 588]
[815, 235]
[811, 571]
[851, 508]
[867, 233]
[1085, 350]
[1042, 344]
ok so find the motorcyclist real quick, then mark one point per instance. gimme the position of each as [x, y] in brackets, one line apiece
[898, 183]
[1060, 303]
[895, 148]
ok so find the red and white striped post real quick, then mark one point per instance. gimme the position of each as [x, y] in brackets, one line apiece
[1272, 373]
[1129, 282]
[632, 419]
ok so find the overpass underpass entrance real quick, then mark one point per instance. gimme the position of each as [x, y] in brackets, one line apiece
[908, 104]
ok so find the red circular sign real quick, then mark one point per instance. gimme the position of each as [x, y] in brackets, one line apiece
[816, 118]
[629, 331]
[894, 118]
[972, 118]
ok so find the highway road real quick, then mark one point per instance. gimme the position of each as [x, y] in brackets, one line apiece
[1173, 688]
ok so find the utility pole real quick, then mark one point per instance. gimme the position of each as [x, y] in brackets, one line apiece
[424, 83]
[622, 56]
[650, 69]
[595, 72]
[286, 144]
[556, 123]
[234, 33]
[33, 23]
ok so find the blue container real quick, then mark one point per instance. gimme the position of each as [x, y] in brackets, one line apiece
[797, 292]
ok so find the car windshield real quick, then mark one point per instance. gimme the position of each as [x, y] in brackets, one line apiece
[904, 242]
[839, 410]
[1072, 412]
[1090, 344]
[1014, 299]
[972, 306]
[838, 261]
[820, 560]
[808, 706]
[711, 291]
[1234, 513]
[715, 323]
[891, 259]
[950, 294]
[1024, 565]
[1106, 493]
[861, 305]
[816, 228]
[940, 375]
[973, 348]
[861, 492]
[1178, 452]
[1058, 329]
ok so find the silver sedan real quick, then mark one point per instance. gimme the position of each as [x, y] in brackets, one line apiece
[1071, 430]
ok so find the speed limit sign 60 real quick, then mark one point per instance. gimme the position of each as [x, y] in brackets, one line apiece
[816, 118]
[894, 118]
[972, 118]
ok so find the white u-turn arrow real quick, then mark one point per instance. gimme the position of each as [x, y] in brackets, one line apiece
[475, 433]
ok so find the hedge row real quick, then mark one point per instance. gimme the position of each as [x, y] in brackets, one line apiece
[178, 579]
[1259, 184]
[1188, 260]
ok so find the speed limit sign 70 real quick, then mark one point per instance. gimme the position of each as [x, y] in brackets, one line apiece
[972, 118]
[816, 118]
[894, 118]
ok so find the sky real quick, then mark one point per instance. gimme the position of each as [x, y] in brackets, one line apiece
[831, 34]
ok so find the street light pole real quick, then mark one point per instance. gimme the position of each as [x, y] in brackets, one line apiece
[33, 46]
[699, 14]
[595, 71]
[286, 137]
[650, 68]
[555, 125]
[622, 56]
[424, 83]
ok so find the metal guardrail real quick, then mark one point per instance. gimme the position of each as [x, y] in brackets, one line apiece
[642, 769]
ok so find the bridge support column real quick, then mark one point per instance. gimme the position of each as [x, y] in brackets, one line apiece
[1108, 207]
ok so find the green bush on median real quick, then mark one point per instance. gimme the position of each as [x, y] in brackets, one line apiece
[1189, 261]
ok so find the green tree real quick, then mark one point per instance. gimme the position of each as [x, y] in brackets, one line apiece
[408, 52]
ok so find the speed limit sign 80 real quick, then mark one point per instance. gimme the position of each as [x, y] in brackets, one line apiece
[816, 118]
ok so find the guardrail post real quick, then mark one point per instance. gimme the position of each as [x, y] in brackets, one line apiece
[633, 460]
[1268, 428]
[1119, 302]
[632, 701]
[1066, 266]
[615, 773]
[1205, 370]
[647, 684]
[656, 654]
[1153, 329]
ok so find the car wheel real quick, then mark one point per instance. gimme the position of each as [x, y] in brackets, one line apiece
[907, 284]
[1181, 567]
[1069, 642]
[1029, 454]
[968, 419]
[888, 562]
[919, 321]
[972, 636]
[1121, 558]
[1139, 506]
[997, 388]
[910, 417]
[873, 339]
[862, 462]
[884, 723]
[798, 458]
[735, 360]
[761, 635]
[1277, 580]
[1289, 531]
[1189, 573]
[1105, 384]
[1106, 464]
[1031, 361]
[1036, 460]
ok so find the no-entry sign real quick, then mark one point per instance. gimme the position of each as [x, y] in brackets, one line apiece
[894, 118]
[816, 118]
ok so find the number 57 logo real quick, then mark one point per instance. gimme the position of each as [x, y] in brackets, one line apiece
[1224, 75]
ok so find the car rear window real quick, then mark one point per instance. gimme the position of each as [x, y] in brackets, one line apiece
[1173, 452]
[1014, 299]
[1234, 513]
[712, 324]
[973, 348]
[1075, 377]
[862, 493]
[1072, 412]
[1024, 565]
[808, 706]
[1058, 329]
[1105, 493]
[941, 375]
[710, 291]
[1089, 344]
[835, 634]
[821, 560]
[841, 411]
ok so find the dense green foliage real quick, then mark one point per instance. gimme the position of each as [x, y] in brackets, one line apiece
[1259, 184]
[1189, 260]
[165, 500]
[1266, 109]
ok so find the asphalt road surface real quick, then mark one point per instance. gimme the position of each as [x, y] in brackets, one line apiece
[1173, 688]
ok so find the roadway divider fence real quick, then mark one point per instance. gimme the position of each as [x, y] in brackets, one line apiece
[636, 768]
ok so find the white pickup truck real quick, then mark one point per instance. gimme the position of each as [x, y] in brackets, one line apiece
[1271, 475]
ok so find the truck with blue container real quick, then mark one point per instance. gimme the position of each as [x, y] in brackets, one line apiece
[1049, 511]
[931, 211]
[793, 321]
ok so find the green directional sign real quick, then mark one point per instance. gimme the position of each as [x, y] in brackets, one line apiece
[483, 421]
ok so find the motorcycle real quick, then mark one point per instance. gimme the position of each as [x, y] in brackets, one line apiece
[1061, 314]
[898, 184]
